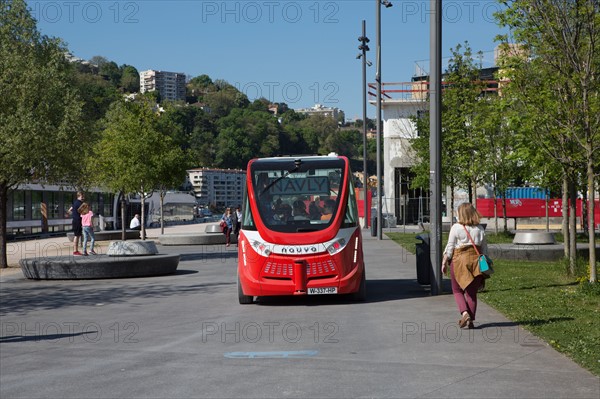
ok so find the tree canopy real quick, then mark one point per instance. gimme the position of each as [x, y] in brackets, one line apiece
[41, 125]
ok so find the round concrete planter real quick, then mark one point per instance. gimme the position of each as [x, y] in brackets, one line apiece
[98, 267]
[534, 238]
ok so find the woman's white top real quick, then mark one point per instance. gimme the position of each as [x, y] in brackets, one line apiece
[458, 238]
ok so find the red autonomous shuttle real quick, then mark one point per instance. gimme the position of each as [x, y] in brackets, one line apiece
[300, 232]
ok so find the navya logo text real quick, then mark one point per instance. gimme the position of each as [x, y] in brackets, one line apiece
[299, 250]
[516, 202]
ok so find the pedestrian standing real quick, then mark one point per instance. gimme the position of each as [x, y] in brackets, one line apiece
[76, 222]
[227, 220]
[87, 228]
[237, 217]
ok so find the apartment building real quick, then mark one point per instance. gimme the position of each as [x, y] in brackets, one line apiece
[170, 85]
[218, 188]
[319, 109]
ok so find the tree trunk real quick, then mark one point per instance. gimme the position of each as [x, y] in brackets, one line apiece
[572, 226]
[162, 215]
[547, 212]
[495, 212]
[584, 213]
[504, 216]
[565, 216]
[592, 221]
[143, 216]
[470, 192]
[123, 236]
[3, 231]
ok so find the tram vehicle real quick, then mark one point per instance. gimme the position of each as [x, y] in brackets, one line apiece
[300, 232]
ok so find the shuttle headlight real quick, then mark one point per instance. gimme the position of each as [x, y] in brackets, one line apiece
[262, 248]
[336, 246]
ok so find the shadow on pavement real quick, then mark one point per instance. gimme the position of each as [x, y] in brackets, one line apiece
[37, 338]
[21, 297]
[377, 291]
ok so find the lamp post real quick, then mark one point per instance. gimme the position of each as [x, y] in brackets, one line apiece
[364, 48]
[387, 4]
[435, 143]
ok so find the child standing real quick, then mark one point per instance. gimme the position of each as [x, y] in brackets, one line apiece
[88, 228]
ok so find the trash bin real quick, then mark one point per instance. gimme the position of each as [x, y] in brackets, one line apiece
[423, 260]
[374, 226]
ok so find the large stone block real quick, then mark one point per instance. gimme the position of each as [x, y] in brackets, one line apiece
[131, 248]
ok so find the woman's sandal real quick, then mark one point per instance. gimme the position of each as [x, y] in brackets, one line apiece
[464, 320]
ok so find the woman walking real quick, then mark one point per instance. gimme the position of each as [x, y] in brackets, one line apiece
[461, 258]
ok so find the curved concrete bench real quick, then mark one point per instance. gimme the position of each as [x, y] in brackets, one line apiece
[194, 239]
[98, 267]
[534, 238]
[110, 235]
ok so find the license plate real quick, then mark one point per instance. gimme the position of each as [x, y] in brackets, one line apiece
[322, 290]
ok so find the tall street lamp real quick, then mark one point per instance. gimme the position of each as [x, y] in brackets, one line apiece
[386, 4]
[364, 48]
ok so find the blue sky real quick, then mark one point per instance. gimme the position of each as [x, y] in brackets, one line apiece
[298, 52]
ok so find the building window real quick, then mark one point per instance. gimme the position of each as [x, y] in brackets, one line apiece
[18, 205]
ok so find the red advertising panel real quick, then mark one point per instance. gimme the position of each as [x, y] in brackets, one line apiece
[528, 207]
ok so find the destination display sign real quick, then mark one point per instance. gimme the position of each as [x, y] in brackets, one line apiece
[311, 185]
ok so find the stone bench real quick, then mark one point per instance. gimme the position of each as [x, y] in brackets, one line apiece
[110, 235]
[98, 267]
[534, 238]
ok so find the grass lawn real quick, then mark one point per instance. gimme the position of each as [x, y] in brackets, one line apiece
[543, 299]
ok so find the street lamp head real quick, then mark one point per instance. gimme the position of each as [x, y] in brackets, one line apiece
[369, 63]
[363, 39]
[359, 56]
[386, 3]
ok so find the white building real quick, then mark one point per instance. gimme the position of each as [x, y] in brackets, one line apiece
[170, 85]
[319, 109]
[398, 157]
[218, 188]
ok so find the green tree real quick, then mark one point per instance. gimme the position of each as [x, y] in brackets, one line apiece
[130, 79]
[41, 126]
[225, 99]
[463, 145]
[97, 95]
[557, 54]
[111, 72]
[345, 142]
[315, 131]
[246, 134]
[134, 155]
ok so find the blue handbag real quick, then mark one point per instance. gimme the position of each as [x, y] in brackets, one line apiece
[485, 263]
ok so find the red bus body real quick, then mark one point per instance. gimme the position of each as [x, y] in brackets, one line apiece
[286, 250]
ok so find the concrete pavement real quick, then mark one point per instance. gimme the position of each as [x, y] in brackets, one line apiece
[401, 343]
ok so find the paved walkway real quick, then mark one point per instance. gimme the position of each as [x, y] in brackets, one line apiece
[499, 359]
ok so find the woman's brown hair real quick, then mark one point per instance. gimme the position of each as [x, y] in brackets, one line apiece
[468, 215]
